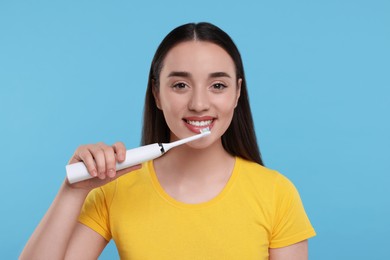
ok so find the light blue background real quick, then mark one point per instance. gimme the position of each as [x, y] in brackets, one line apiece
[74, 72]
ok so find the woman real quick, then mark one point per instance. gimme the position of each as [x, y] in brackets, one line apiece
[208, 199]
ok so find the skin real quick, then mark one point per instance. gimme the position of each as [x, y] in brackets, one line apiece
[298, 251]
[197, 83]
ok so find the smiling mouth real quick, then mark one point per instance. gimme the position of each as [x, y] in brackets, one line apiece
[203, 123]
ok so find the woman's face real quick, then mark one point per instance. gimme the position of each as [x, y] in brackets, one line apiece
[198, 89]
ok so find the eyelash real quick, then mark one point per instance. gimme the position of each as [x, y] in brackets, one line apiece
[219, 86]
[216, 86]
[179, 85]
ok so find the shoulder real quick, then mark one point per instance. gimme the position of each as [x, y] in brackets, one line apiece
[258, 173]
[109, 190]
[265, 181]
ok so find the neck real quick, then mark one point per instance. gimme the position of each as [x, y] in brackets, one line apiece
[194, 175]
[185, 161]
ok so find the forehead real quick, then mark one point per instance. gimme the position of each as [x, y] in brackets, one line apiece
[198, 56]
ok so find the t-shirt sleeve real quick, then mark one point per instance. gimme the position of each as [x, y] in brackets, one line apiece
[94, 213]
[291, 224]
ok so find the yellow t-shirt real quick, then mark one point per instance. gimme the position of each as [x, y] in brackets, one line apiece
[258, 209]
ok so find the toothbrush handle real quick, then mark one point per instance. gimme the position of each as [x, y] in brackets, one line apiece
[78, 171]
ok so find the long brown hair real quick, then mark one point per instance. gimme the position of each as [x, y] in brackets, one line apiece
[240, 137]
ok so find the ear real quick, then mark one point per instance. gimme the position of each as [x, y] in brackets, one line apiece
[238, 93]
[156, 94]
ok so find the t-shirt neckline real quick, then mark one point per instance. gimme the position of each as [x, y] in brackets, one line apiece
[165, 196]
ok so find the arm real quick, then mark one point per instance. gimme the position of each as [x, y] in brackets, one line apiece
[298, 251]
[85, 243]
[53, 238]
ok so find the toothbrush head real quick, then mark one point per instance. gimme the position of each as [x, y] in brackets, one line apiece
[204, 130]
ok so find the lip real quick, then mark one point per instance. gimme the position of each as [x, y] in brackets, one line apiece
[196, 129]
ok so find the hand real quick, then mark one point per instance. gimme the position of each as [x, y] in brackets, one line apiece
[100, 160]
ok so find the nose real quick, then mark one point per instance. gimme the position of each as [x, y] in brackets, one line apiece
[199, 100]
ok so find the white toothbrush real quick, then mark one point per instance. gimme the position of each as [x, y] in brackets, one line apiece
[78, 171]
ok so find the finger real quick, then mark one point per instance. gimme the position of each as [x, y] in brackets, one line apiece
[120, 151]
[109, 155]
[100, 161]
[83, 154]
[100, 182]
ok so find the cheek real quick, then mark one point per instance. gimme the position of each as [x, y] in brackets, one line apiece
[226, 104]
[171, 105]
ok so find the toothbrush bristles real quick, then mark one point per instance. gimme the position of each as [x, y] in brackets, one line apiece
[204, 130]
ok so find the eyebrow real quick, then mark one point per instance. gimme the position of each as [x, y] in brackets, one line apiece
[219, 75]
[185, 74]
[180, 74]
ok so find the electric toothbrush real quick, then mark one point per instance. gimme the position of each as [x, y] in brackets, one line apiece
[78, 171]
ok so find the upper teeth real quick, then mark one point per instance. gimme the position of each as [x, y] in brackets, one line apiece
[199, 123]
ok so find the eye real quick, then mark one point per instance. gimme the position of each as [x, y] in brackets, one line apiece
[179, 85]
[218, 86]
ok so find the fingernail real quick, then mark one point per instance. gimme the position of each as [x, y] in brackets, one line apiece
[111, 173]
[94, 173]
